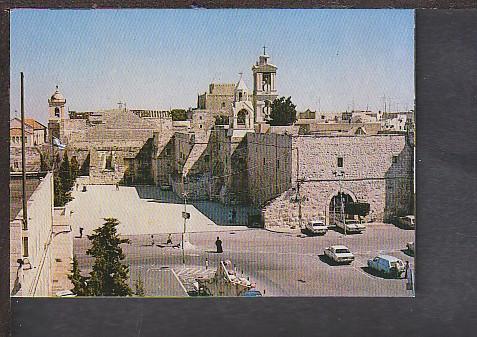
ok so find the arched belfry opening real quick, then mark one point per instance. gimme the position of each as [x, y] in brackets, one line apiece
[241, 117]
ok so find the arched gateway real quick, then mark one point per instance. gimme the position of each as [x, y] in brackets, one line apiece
[337, 206]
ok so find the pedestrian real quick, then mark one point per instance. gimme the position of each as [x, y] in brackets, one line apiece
[218, 244]
[410, 280]
[81, 232]
[206, 263]
[406, 269]
[117, 187]
[152, 240]
[77, 186]
[169, 239]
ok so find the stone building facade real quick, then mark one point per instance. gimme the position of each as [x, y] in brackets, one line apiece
[41, 252]
[218, 100]
[376, 169]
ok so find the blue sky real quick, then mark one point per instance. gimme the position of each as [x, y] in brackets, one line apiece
[157, 59]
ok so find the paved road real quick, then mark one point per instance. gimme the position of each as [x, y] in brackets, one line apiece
[281, 264]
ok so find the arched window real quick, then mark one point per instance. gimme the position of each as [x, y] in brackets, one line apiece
[241, 116]
[57, 112]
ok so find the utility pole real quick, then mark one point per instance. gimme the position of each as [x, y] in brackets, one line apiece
[24, 197]
[185, 216]
[298, 185]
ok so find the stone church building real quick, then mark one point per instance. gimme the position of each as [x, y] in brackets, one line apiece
[242, 161]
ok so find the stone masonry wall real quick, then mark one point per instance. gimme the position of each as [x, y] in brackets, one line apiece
[269, 160]
[376, 169]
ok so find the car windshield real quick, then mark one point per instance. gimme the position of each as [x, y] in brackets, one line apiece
[342, 251]
[318, 224]
[352, 222]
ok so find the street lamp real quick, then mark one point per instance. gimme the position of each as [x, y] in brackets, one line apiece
[340, 174]
[186, 216]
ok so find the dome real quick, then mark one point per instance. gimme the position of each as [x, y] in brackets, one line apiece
[57, 97]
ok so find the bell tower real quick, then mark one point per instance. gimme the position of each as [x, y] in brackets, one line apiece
[56, 104]
[56, 113]
[264, 87]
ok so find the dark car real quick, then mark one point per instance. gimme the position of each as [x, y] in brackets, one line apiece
[252, 293]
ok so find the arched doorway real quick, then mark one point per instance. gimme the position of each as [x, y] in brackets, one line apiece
[337, 207]
[241, 117]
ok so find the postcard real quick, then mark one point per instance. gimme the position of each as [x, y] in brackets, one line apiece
[191, 152]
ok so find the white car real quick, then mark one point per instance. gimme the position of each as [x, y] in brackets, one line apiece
[352, 226]
[339, 254]
[316, 227]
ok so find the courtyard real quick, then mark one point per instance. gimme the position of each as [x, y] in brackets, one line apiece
[279, 263]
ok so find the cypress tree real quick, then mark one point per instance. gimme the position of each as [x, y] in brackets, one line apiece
[109, 276]
[78, 281]
[65, 174]
[139, 285]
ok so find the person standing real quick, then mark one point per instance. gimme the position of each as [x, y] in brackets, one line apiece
[406, 269]
[169, 239]
[117, 187]
[218, 244]
[81, 232]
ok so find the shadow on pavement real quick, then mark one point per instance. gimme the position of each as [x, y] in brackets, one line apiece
[325, 259]
[219, 213]
[376, 273]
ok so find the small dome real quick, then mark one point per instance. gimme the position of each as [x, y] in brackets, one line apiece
[57, 97]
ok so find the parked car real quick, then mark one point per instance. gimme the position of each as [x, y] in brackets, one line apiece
[388, 265]
[352, 226]
[407, 221]
[252, 293]
[339, 254]
[410, 247]
[315, 227]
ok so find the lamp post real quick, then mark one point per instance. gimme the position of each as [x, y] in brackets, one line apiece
[186, 216]
[340, 174]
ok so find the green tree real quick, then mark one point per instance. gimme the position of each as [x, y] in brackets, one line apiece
[283, 112]
[109, 275]
[139, 285]
[75, 168]
[59, 195]
[179, 114]
[65, 174]
[79, 282]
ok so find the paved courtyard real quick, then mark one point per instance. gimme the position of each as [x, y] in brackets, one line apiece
[281, 264]
[144, 210]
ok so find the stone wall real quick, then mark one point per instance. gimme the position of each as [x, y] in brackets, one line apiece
[33, 159]
[376, 169]
[269, 166]
[34, 278]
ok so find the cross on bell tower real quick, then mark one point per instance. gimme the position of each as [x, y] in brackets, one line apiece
[264, 50]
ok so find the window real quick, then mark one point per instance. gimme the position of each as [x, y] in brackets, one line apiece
[200, 126]
[57, 112]
[25, 246]
[278, 163]
[263, 161]
[340, 161]
[223, 104]
[109, 162]
[395, 159]
[200, 117]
